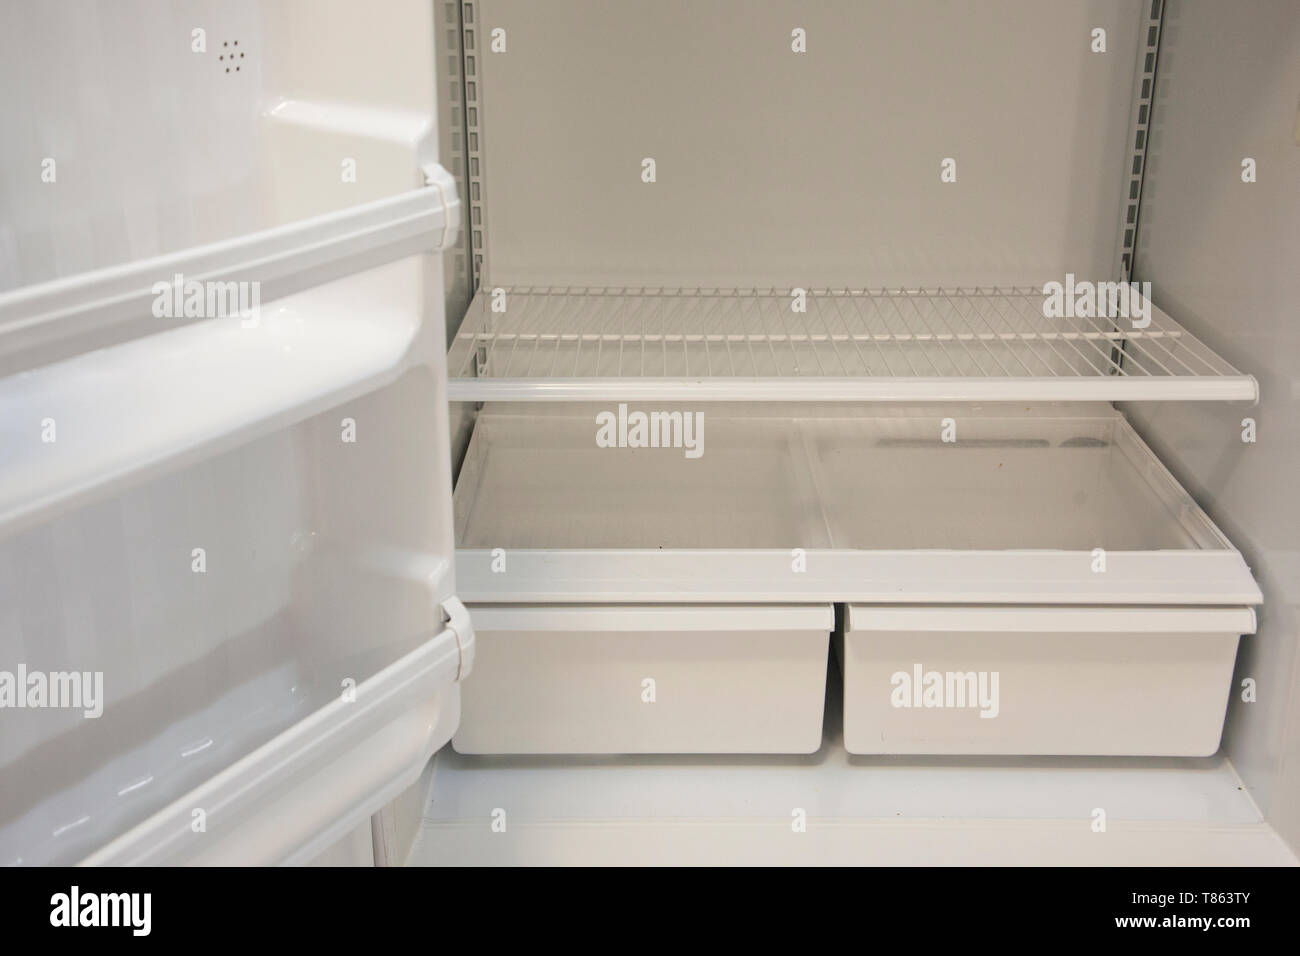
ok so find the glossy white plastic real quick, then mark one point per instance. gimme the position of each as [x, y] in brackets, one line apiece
[237, 519]
[1038, 680]
[646, 679]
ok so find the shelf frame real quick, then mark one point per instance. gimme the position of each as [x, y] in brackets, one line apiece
[1226, 389]
[981, 344]
[1010, 577]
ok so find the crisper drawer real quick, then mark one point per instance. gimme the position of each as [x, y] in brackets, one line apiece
[1038, 680]
[646, 679]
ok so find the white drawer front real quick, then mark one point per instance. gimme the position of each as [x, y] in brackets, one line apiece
[651, 679]
[1038, 680]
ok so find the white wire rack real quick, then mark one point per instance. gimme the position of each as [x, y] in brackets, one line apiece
[995, 344]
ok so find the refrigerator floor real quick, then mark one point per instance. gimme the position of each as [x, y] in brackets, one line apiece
[710, 810]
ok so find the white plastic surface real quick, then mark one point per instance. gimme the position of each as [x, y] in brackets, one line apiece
[298, 122]
[305, 789]
[228, 381]
[232, 521]
[712, 810]
[278, 260]
[646, 679]
[1057, 681]
[223, 602]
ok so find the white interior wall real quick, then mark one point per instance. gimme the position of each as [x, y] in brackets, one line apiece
[158, 146]
[153, 146]
[1222, 255]
[822, 168]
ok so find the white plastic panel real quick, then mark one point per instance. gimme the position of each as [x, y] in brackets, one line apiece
[106, 92]
[1059, 681]
[776, 168]
[646, 679]
[240, 525]
[290, 90]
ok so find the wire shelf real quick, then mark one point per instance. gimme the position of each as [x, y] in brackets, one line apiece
[527, 343]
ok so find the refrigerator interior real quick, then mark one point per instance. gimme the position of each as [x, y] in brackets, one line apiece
[827, 227]
[609, 281]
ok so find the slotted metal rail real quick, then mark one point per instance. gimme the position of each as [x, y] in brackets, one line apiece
[992, 344]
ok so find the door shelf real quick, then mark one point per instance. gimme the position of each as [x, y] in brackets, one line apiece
[984, 344]
[277, 261]
[308, 786]
[139, 407]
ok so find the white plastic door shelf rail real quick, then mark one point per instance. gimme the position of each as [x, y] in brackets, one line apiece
[293, 797]
[282, 260]
[298, 356]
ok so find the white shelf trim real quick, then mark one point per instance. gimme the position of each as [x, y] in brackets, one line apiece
[1228, 388]
[700, 576]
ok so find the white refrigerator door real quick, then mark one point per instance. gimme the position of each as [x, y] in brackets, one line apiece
[228, 623]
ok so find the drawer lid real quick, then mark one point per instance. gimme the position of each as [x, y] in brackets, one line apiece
[643, 617]
[1067, 620]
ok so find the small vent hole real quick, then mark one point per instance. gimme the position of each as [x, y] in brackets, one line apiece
[230, 57]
